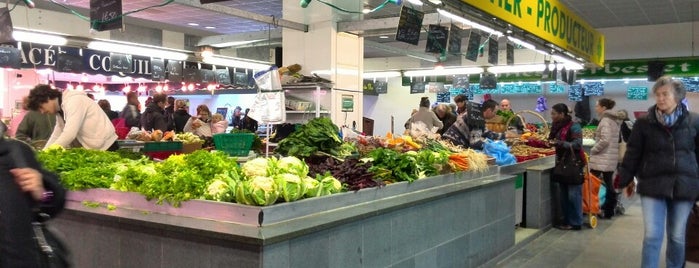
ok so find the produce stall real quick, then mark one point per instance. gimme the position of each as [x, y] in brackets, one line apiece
[454, 220]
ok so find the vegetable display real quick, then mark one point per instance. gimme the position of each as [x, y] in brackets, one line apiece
[318, 135]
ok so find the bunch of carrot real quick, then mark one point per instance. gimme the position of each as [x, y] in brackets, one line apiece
[459, 162]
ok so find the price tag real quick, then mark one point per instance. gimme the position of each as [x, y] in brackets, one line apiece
[637, 93]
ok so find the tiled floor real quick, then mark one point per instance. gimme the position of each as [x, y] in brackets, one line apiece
[614, 243]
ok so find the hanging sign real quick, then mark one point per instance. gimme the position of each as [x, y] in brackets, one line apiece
[549, 20]
[105, 15]
[347, 103]
[637, 93]
[454, 46]
[437, 37]
[409, 25]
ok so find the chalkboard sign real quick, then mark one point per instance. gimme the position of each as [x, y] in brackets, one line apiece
[5, 26]
[417, 87]
[223, 76]
[437, 37]
[488, 81]
[474, 42]
[475, 119]
[593, 89]
[9, 57]
[69, 62]
[174, 71]
[461, 81]
[493, 52]
[105, 15]
[444, 97]
[120, 63]
[454, 46]
[409, 25]
[157, 67]
[555, 88]
[241, 79]
[191, 75]
[637, 93]
[207, 76]
[510, 54]
[575, 92]
[381, 87]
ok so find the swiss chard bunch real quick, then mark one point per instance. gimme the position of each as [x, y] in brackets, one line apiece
[389, 165]
[319, 134]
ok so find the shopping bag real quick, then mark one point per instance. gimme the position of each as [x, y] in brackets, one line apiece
[590, 193]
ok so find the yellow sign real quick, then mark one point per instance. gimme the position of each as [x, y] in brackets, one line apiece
[549, 20]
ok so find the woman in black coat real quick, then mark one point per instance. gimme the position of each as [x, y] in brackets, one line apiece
[662, 154]
[24, 187]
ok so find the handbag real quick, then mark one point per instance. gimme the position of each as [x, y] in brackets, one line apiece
[52, 251]
[568, 169]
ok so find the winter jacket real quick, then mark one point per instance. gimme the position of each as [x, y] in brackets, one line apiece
[153, 118]
[219, 127]
[605, 154]
[426, 116]
[663, 159]
[84, 120]
[567, 143]
[17, 245]
[180, 117]
[131, 115]
[447, 121]
[35, 126]
[204, 128]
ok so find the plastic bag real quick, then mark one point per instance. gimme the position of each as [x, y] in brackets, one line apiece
[500, 151]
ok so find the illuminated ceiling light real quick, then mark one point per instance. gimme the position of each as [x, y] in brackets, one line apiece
[39, 38]
[135, 49]
[235, 62]
[79, 87]
[469, 22]
[451, 71]
[373, 75]
[521, 43]
[210, 27]
[366, 10]
[193, 24]
[236, 43]
[383, 36]
[190, 87]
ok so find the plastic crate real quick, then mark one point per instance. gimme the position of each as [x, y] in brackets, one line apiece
[234, 144]
[161, 149]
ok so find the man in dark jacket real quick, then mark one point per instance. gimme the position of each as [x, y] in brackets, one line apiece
[154, 116]
[24, 186]
[132, 111]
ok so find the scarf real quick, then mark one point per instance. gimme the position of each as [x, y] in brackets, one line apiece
[668, 120]
[557, 126]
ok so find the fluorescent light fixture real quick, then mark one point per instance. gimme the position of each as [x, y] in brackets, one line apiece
[529, 68]
[569, 64]
[415, 2]
[136, 49]
[374, 75]
[341, 71]
[452, 71]
[193, 24]
[236, 62]
[469, 22]
[235, 43]
[39, 38]
[210, 27]
[521, 43]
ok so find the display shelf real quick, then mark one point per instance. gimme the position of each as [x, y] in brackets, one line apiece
[307, 112]
[318, 94]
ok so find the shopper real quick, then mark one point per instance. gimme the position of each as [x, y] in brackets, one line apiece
[200, 125]
[35, 127]
[445, 115]
[153, 118]
[425, 116]
[461, 106]
[132, 112]
[170, 113]
[77, 117]
[237, 117]
[107, 108]
[218, 124]
[469, 129]
[25, 187]
[249, 123]
[661, 155]
[181, 115]
[566, 136]
[604, 155]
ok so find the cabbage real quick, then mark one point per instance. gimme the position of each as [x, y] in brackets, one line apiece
[221, 188]
[292, 165]
[312, 187]
[329, 185]
[258, 191]
[290, 186]
[256, 167]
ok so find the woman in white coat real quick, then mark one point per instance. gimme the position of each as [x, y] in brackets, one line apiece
[605, 154]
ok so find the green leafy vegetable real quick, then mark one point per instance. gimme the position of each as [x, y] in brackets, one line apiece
[319, 134]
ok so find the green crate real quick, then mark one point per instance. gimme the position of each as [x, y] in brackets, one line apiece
[234, 144]
[159, 146]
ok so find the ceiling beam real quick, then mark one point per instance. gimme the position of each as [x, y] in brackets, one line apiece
[273, 34]
[385, 23]
[392, 49]
[245, 14]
